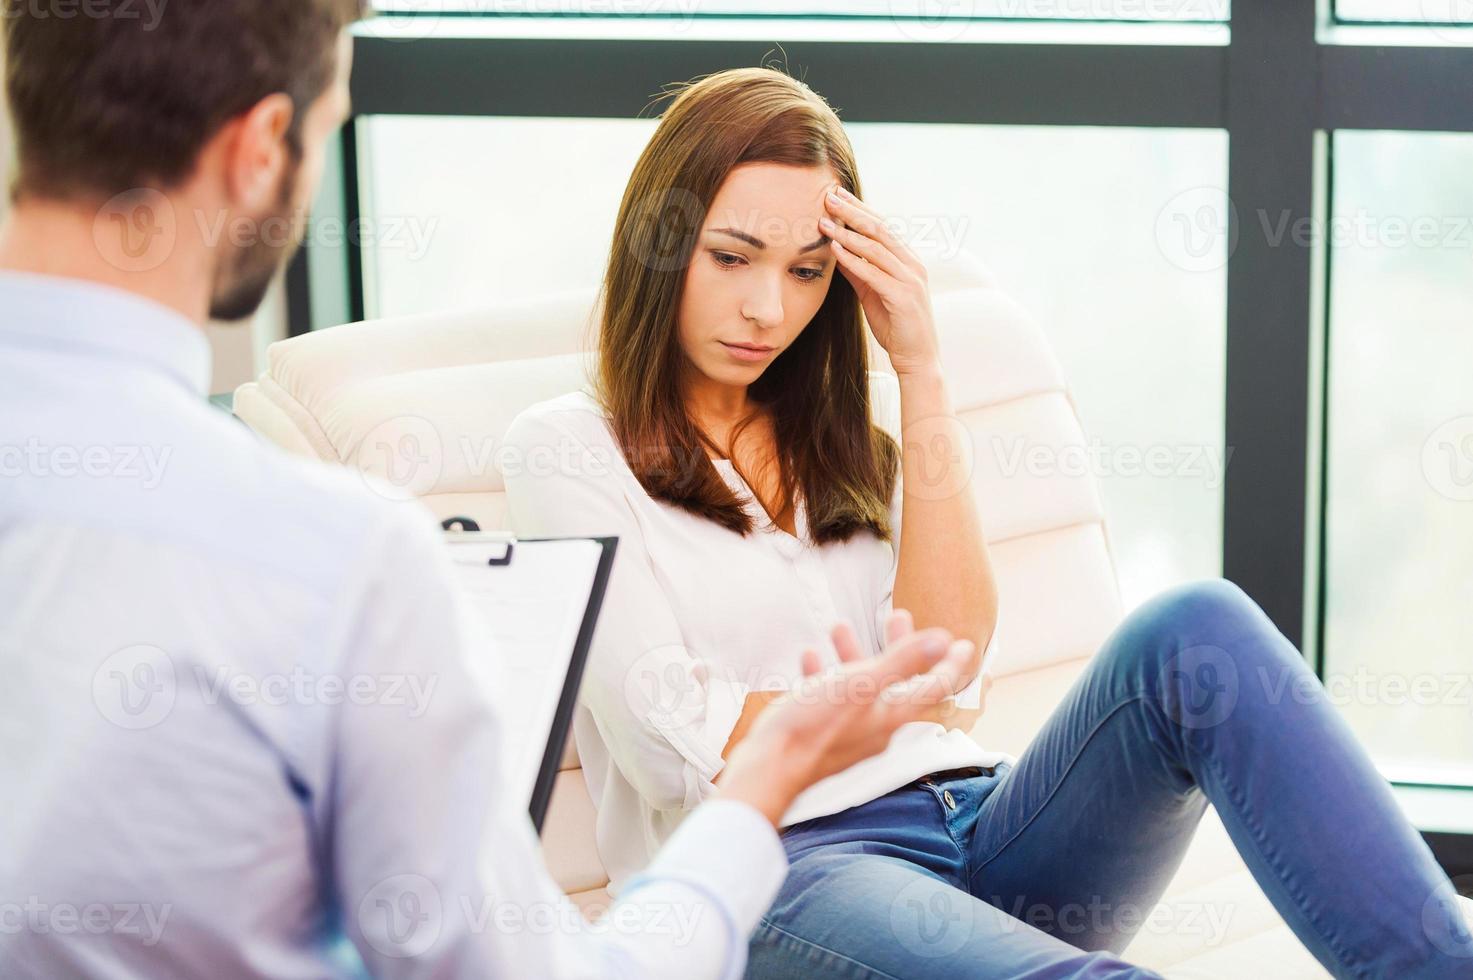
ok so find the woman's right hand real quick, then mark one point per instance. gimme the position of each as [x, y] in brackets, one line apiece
[834, 718]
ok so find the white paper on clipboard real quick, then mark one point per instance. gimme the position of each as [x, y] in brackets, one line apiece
[532, 608]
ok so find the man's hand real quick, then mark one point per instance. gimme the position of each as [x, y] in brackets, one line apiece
[835, 718]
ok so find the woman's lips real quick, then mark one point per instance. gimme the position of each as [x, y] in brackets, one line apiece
[748, 353]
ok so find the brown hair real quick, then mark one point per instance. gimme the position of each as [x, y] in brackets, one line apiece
[817, 390]
[121, 95]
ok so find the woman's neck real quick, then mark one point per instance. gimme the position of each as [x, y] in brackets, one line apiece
[714, 406]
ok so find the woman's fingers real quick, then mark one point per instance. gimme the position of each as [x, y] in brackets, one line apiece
[871, 250]
[860, 272]
[859, 216]
[898, 625]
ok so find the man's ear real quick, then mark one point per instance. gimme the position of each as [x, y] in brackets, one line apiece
[255, 151]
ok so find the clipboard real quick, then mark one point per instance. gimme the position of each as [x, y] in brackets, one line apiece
[542, 627]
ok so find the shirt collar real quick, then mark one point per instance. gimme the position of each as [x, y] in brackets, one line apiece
[77, 316]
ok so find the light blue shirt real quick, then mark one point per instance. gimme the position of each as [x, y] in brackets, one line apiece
[236, 722]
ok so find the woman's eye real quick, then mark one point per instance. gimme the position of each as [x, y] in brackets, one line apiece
[726, 259]
[809, 275]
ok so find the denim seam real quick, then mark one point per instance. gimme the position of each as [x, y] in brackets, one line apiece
[1068, 768]
[786, 936]
[961, 849]
[1271, 856]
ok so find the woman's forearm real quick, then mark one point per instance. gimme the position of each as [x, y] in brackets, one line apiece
[945, 575]
[751, 708]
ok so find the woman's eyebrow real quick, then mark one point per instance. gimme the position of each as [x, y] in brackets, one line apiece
[759, 243]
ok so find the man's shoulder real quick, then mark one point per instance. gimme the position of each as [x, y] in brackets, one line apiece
[321, 519]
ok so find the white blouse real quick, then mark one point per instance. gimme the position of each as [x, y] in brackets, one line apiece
[695, 617]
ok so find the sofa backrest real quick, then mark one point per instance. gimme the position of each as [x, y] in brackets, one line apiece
[422, 403]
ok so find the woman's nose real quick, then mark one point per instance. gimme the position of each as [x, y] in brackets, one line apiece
[764, 304]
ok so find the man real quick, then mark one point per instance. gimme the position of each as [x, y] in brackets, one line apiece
[211, 767]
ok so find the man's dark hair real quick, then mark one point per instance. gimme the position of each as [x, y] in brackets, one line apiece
[110, 95]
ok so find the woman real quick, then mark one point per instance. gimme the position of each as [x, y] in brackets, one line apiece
[729, 443]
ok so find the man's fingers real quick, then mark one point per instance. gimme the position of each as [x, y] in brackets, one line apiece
[898, 625]
[911, 655]
[942, 681]
[846, 644]
[811, 663]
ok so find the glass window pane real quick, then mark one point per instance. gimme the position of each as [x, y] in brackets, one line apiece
[1126, 10]
[1405, 11]
[1399, 455]
[1122, 262]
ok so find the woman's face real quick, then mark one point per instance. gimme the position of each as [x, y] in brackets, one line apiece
[759, 271]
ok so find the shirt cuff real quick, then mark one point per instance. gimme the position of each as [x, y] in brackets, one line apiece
[728, 850]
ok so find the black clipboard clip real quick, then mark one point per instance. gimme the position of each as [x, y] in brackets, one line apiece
[465, 529]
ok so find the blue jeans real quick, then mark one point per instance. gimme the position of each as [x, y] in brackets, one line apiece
[1049, 867]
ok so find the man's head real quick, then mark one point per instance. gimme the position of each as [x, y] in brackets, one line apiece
[222, 106]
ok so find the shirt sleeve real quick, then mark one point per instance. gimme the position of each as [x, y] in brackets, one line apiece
[437, 872]
[664, 714]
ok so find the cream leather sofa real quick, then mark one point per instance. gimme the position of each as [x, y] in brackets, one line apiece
[423, 401]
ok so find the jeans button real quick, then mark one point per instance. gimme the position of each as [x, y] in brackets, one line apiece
[950, 800]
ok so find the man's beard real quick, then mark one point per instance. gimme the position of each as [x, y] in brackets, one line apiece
[242, 285]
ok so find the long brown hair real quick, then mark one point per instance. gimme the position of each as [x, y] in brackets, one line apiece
[816, 391]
